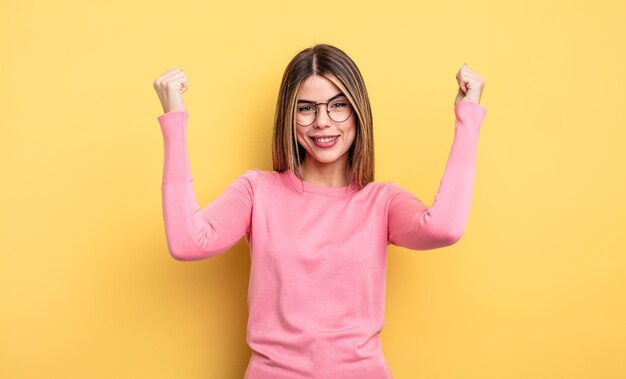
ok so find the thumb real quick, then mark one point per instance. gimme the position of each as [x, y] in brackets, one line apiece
[463, 86]
[459, 96]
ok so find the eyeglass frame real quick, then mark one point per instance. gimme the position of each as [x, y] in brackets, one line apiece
[310, 103]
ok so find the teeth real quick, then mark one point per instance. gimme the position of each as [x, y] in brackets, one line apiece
[325, 139]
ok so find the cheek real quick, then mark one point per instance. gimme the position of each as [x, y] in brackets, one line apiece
[351, 133]
[301, 138]
[302, 141]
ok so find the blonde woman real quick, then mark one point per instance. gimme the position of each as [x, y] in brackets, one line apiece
[317, 225]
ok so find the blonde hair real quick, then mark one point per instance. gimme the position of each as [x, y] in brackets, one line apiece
[336, 66]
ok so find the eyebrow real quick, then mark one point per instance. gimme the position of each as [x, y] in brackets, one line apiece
[313, 102]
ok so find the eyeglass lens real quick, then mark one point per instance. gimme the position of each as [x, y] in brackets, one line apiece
[338, 110]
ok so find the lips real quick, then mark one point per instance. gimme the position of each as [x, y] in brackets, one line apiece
[324, 136]
[328, 144]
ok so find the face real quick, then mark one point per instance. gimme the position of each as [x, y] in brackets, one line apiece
[318, 89]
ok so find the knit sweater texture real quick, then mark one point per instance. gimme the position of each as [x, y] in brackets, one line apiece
[316, 295]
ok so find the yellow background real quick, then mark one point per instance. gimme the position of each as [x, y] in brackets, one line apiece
[534, 289]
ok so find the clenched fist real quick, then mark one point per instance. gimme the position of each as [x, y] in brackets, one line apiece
[170, 87]
[470, 85]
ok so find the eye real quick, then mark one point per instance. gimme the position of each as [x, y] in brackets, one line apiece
[305, 108]
[339, 105]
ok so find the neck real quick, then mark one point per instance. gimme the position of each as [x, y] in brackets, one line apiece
[333, 174]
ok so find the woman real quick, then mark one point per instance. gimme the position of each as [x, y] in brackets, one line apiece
[317, 225]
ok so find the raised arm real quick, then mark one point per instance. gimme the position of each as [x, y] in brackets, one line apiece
[193, 233]
[416, 226]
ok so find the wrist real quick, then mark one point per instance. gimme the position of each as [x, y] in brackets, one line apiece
[474, 98]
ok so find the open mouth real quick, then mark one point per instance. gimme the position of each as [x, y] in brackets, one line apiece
[325, 142]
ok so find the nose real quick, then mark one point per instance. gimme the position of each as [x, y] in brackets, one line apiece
[323, 119]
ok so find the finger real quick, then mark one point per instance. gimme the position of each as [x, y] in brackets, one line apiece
[173, 74]
[177, 81]
[184, 86]
[178, 84]
[169, 72]
[164, 79]
[460, 79]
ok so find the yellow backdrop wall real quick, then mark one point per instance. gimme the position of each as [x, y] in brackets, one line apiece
[534, 289]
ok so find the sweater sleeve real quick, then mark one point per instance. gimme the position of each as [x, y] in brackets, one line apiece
[416, 226]
[192, 232]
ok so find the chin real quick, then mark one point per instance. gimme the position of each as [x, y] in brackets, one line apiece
[325, 158]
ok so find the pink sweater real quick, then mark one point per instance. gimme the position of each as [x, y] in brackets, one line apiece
[316, 297]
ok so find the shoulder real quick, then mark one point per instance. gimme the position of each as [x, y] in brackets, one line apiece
[257, 175]
[385, 189]
[260, 174]
[395, 195]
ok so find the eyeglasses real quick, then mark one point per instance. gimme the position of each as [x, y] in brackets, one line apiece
[339, 110]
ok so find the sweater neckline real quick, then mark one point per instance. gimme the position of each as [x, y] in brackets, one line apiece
[303, 186]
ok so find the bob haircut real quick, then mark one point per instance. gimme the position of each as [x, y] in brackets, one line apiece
[336, 66]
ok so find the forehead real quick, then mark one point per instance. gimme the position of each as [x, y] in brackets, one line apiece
[317, 87]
